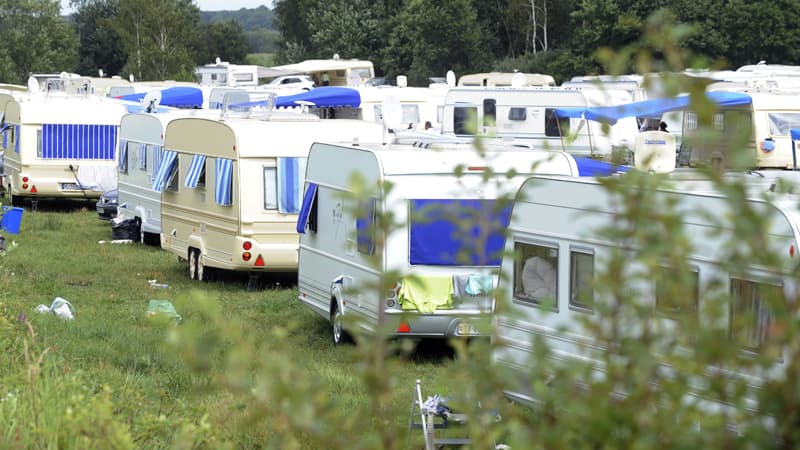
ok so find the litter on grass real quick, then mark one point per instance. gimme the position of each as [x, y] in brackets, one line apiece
[117, 241]
[60, 307]
[162, 309]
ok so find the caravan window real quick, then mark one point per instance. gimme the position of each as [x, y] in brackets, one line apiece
[536, 274]
[581, 279]
[308, 210]
[410, 113]
[123, 156]
[517, 114]
[489, 112]
[553, 125]
[143, 156]
[197, 169]
[165, 170]
[465, 119]
[365, 227]
[223, 185]
[172, 181]
[270, 187]
[751, 317]
[38, 143]
[781, 123]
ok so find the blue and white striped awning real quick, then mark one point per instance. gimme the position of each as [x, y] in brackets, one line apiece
[142, 156]
[165, 169]
[158, 153]
[224, 181]
[195, 170]
[78, 141]
[305, 209]
[291, 178]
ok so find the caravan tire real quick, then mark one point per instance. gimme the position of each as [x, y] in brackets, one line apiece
[194, 256]
[338, 333]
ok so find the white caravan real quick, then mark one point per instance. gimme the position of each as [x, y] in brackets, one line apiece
[558, 247]
[333, 72]
[446, 272]
[231, 188]
[418, 105]
[529, 114]
[59, 145]
[141, 147]
[507, 79]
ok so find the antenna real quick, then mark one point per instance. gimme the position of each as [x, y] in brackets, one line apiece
[151, 100]
[451, 78]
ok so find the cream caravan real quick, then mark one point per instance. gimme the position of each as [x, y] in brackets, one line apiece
[529, 114]
[446, 273]
[762, 125]
[559, 242]
[59, 145]
[231, 188]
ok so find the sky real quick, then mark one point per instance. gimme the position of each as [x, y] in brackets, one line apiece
[205, 5]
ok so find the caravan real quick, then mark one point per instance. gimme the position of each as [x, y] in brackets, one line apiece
[528, 113]
[231, 187]
[445, 270]
[59, 145]
[559, 242]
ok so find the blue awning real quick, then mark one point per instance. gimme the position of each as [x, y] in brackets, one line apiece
[650, 108]
[165, 169]
[588, 167]
[177, 96]
[305, 208]
[795, 134]
[323, 97]
[291, 178]
[223, 185]
[195, 170]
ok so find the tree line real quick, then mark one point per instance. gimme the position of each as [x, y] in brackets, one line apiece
[166, 39]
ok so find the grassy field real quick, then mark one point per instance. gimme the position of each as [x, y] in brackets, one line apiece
[244, 369]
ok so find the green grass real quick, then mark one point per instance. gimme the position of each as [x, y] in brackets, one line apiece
[199, 384]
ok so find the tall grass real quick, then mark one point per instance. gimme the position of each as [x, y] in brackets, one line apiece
[112, 378]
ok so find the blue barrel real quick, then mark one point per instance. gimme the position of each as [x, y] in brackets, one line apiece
[11, 219]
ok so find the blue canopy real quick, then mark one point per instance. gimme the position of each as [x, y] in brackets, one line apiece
[176, 96]
[650, 108]
[323, 97]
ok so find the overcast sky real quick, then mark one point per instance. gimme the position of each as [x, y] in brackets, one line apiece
[205, 5]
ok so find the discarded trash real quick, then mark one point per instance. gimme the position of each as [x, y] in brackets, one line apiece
[162, 309]
[117, 241]
[156, 285]
[124, 229]
[60, 307]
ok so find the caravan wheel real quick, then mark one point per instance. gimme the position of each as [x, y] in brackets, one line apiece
[338, 333]
[194, 256]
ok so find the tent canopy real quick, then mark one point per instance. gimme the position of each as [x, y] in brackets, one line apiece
[177, 96]
[650, 108]
[323, 97]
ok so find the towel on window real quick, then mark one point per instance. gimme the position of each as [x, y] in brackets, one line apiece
[426, 294]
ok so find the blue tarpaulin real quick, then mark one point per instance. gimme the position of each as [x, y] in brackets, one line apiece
[176, 96]
[588, 167]
[323, 97]
[650, 108]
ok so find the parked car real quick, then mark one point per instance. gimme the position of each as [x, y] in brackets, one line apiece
[107, 205]
[292, 81]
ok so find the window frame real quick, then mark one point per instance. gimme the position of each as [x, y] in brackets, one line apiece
[519, 261]
[574, 303]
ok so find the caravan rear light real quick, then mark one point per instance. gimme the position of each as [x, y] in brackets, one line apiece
[476, 169]
[25, 186]
[246, 256]
[259, 261]
[25, 179]
[247, 245]
[404, 328]
[791, 250]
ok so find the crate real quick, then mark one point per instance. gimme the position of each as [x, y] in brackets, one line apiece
[11, 219]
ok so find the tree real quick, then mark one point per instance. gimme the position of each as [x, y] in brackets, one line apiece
[430, 37]
[225, 40]
[35, 38]
[345, 27]
[158, 36]
[100, 44]
[291, 18]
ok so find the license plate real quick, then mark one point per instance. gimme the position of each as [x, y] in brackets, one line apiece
[467, 329]
[70, 187]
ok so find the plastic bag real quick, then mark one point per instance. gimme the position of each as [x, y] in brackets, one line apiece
[163, 310]
[60, 308]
